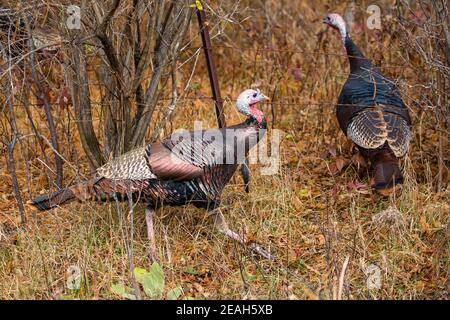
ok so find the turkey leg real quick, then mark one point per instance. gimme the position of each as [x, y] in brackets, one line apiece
[149, 213]
[245, 171]
[222, 226]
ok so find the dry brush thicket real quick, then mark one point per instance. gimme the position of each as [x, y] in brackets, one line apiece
[72, 99]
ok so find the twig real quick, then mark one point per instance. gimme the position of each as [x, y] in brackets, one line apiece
[172, 33]
[172, 105]
[130, 252]
[11, 164]
[128, 244]
[341, 278]
[44, 98]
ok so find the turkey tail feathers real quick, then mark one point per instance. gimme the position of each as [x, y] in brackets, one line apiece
[54, 199]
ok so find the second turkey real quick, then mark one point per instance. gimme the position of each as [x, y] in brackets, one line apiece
[372, 114]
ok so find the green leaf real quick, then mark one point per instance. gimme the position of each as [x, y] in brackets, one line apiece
[174, 293]
[191, 270]
[123, 291]
[153, 281]
[139, 274]
[252, 277]
[304, 193]
[89, 49]
[289, 137]
[195, 86]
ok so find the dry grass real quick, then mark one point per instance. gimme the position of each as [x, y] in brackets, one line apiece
[308, 216]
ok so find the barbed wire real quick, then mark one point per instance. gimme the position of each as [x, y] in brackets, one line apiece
[289, 50]
[257, 49]
[190, 99]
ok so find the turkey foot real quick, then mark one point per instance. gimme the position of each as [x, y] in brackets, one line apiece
[149, 213]
[222, 226]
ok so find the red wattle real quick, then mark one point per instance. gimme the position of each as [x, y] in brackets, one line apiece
[258, 114]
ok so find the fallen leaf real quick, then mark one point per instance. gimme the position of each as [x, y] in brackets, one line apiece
[321, 239]
[297, 203]
[339, 164]
[420, 285]
[329, 151]
[335, 190]
[324, 154]
[295, 73]
[304, 193]
[358, 160]
[356, 186]
[332, 150]
[297, 251]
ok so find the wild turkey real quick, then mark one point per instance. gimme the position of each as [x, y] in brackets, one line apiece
[187, 167]
[371, 112]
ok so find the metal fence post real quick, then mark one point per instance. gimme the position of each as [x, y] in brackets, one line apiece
[206, 40]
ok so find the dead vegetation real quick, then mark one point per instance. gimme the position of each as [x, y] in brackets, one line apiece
[331, 232]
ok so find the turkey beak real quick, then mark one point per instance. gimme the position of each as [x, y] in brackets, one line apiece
[264, 97]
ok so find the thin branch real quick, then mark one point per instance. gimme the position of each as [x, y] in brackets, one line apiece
[11, 164]
[342, 277]
[44, 98]
[171, 106]
[170, 35]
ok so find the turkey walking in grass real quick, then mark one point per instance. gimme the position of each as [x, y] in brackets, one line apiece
[193, 167]
[371, 112]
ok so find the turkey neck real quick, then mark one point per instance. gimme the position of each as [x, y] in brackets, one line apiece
[358, 62]
[246, 135]
[249, 133]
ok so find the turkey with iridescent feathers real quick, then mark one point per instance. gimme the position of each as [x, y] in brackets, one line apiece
[189, 167]
[371, 112]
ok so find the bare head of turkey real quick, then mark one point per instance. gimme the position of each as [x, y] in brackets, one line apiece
[336, 21]
[247, 102]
